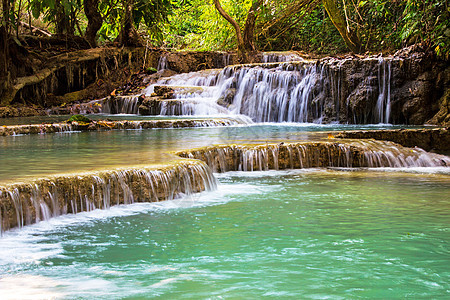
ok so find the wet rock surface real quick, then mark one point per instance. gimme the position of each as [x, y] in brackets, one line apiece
[339, 154]
[435, 139]
[110, 125]
[30, 202]
[416, 85]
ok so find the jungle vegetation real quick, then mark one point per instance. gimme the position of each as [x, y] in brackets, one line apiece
[317, 26]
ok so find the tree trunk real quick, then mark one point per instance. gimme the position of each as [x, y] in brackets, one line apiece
[128, 35]
[223, 13]
[94, 21]
[350, 38]
[60, 18]
[245, 42]
[249, 27]
[64, 20]
[5, 80]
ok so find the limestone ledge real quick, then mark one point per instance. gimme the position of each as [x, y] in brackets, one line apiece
[41, 199]
[436, 139]
[320, 154]
[109, 125]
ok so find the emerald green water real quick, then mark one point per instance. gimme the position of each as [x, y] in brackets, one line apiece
[28, 156]
[311, 234]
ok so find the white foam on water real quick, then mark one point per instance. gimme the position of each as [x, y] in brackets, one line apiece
[29, 245]
[28, 287]
[270, 173]
[416, 170]
[25, 249]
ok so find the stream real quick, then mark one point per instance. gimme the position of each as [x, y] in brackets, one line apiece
[334, 232]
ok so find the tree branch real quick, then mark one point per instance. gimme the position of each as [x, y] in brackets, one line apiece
[227, 17]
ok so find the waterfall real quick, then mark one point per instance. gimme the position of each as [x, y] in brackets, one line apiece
[270, 92]
[383, 107]
[280, 94]
[294, 91]
[26, 203]
[121, 104]
[162, 63]
[372, 154]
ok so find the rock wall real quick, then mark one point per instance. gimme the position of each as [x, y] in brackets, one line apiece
[190, 61]
[418, 88]
[416, 83]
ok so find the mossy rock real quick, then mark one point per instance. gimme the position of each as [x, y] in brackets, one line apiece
[79, 119]
[151, 70]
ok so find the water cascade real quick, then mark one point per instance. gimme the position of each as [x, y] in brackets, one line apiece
[121, 104]
[354, 154]
[295, 91]
[162, 63]
[26, 203]
[383, 108]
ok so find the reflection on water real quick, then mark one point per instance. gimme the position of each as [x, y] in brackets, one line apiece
[291, 234]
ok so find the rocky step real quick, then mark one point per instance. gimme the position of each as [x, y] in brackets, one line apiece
[436, 139]
[119, 125]
[171, 91]
[154, 106]
[323, 154]
[41, 199]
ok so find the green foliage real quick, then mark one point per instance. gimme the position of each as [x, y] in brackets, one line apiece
[79, 119]
[427, 21]
[59, 12]
[381, 25]
[151, 14]
[151, 70]
[307, 31]
[197, 25]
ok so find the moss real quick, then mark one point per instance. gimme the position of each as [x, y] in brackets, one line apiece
[150, 70]
[79, 119]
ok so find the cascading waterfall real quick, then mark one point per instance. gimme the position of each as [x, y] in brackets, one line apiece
[284, 93]
[356, 154]
[162, 63]
[295, 91]
[26, 203]
[383, 107]
[120, 105]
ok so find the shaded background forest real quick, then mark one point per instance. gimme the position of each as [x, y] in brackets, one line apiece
[304, 25]
[312, 26]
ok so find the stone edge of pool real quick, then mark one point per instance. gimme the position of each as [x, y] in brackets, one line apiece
[118, 125]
